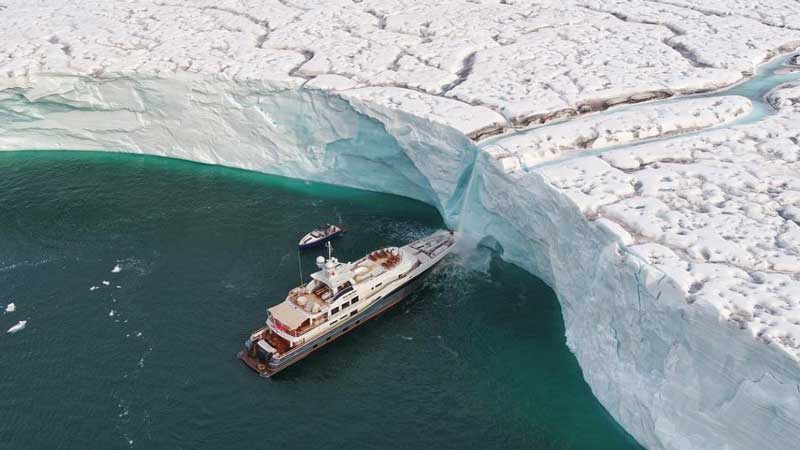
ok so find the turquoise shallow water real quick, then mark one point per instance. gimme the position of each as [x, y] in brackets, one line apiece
[475, 359]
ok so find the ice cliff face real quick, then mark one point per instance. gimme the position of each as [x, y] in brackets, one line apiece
[668, 229]
[677, 278]
[255, 125]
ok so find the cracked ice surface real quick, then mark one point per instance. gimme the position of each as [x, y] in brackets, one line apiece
[780, 13]
[527, 60]
[731, 39]
[528, 149]
[717, 211]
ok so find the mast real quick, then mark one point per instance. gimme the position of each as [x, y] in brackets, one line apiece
[300, 266]
[330, 249]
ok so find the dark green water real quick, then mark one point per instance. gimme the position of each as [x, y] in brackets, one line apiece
[475, 359]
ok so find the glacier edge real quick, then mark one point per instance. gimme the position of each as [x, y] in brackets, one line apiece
[664, 368]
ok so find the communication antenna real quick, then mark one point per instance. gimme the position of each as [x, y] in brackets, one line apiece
[330, 249]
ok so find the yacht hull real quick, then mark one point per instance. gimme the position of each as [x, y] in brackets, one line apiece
[319, 241]
[375, 309]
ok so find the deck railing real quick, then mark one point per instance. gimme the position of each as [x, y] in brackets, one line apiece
[296, 333]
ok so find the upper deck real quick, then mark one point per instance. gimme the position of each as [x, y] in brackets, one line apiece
[310, 305]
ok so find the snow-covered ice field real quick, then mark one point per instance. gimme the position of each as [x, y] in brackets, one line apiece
[668, 226]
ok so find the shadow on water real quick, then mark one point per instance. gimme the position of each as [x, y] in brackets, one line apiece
[474, 359]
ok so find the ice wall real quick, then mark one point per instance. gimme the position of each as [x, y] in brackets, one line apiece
[674, 374]
[261, 126]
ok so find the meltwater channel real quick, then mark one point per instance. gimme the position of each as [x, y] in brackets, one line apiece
[474, 360]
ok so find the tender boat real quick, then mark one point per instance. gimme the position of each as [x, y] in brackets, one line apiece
[320, 235]
[340, 297]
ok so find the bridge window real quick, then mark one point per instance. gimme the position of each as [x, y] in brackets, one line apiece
[334, 310]
[344, 289]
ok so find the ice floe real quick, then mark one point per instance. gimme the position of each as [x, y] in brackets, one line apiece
[117, 269]
[19, 326]
[11, 307]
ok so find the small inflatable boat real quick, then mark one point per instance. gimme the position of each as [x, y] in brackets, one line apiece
[321, 235]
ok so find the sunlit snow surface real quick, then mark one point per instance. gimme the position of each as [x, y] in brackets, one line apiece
[668, 229]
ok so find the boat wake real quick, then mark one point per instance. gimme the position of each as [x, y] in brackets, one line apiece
[402, 231]
[457, 273]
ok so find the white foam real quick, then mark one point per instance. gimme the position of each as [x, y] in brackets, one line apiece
[117, 269]
[11, 307]
[106, 283]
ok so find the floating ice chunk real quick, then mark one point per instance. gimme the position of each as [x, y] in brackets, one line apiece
[139, 334]
[94, 288]
[111, 313]
[117, 269]
[106, 283]
[18, 327]
[11, 307]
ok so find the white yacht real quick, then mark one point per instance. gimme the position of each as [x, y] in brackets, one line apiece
[340, 297]
[320, 235]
